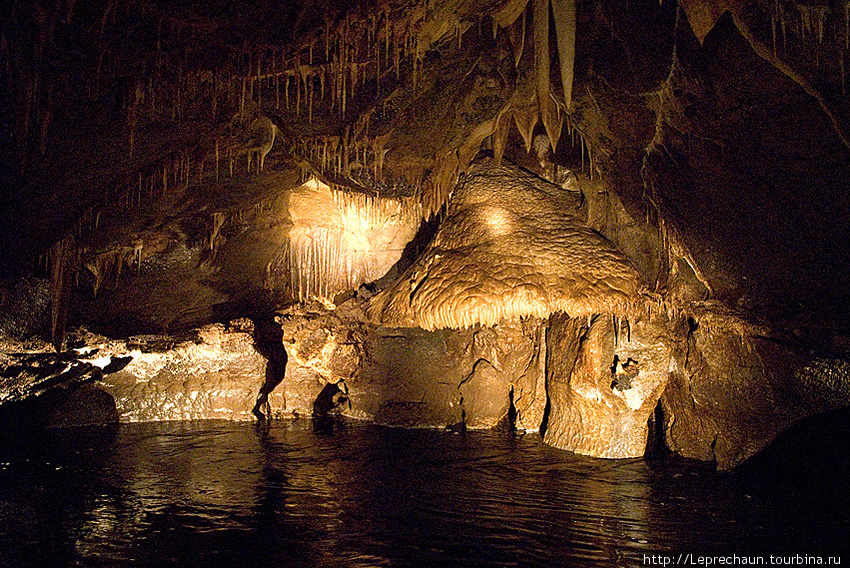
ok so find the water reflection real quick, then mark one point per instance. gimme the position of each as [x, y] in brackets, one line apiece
[283, 494]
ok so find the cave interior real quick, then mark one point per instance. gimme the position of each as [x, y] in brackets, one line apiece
[614, 222]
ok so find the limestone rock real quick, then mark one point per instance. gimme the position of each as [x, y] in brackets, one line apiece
[217, 374]
[413, 377]
[604, 383]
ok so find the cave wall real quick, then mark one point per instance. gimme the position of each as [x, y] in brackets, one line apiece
[476, 378]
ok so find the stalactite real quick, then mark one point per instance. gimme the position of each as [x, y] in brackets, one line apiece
[242, 99]
[564, 12]
[298, 80]
[46, 117]
[541, 53]
[581, 143]
[525, 118]
[616, 324]
[813, 21]
[164, 177]
[773, 23]
[516, 33]
[218, 220]
[286, 89]
[847, 25]
[64, 260]
[320, 262]
[138, 248]
[310, 88]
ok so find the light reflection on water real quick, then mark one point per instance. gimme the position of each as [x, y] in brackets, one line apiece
[236, 494]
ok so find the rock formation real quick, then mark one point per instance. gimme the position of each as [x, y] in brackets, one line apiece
[577, 218]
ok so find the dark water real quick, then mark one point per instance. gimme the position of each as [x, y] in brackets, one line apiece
[224, 494]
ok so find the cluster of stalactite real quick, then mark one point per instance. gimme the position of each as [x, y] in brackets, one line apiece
[320, 262]
[532, 101]
[337, 61]
[338, 156]
[173, 173]
[818, 26]
[60, 54]
[361, 45]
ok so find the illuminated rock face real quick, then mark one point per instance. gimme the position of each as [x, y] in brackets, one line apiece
[512, 245]
[411, 377]
[339, 240]
[603, 383]
[216, 374]
[732, 390]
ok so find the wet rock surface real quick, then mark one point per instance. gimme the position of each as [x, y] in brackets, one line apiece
[734, 386]
[213, 372]
[604, 380]
[216, 374]
[412, 377]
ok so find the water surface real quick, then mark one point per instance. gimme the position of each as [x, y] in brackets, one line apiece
[240, 494]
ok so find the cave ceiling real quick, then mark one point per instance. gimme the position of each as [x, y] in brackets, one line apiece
[131, 127]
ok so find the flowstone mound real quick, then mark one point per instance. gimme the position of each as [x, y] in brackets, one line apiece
[511, 245]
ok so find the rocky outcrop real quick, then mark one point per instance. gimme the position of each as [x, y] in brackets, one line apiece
[476, 378]
[213, 373]
[734, 386]
[604, 380]
[40, 389]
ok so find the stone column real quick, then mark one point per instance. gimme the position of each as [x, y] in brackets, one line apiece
[603, 382]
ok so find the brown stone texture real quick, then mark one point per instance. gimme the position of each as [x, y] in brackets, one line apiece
[413, 377]
[732, 390]
[551, 216]
[604, 379]
[217, 374]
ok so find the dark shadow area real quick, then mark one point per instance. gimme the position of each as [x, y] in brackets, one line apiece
[268, 339]
[326, 406]
[655, 446]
